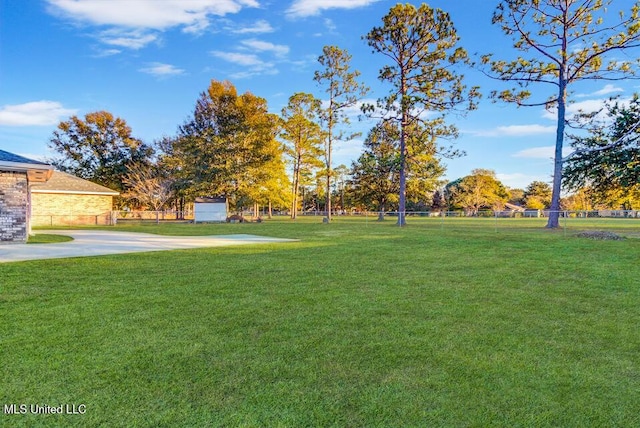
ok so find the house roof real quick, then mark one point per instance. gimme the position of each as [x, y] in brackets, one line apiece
[11, 157]
[210, 200]
[514, 207]
[61, 182]
[38, 172]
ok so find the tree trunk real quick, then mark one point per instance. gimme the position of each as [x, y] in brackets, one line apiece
[327, 204]
[403, 181]
[328, 190]
[328, 154]
[554, 213]
[296, 184]
[403, 143]
[381, 212]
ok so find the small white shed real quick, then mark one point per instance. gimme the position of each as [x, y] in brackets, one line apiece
[210, 209]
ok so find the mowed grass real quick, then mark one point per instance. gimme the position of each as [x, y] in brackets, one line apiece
[357, 324]
[44, 238]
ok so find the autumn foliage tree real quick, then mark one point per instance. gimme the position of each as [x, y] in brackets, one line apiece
[537, 195]
[98, 148]
[268, 185]
[478, 190]
[224, 149]
[562, 42]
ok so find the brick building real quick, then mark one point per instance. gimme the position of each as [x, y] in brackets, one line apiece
[68, 200]
[17, 175]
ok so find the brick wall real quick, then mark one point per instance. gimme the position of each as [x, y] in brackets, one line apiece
[57, 209]
[14, 193]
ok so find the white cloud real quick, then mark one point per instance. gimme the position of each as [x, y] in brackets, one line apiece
[162, 70]
[239, 58]
[252, 64]
[253, 72]
[304, 63]
[608, 89]
[517, 131]
[302, 8]
[536, 153]
[354, 112]
[573, 108]
[381, 112]
[135, 24]
[346, 151]
[520, 181]
[107, 52]
[586, 106]
[262, 46]
[152, 14]
[545, 152]
[331, 26]
[355, 109]
[258, 27]
[35, 113]
[134, 39]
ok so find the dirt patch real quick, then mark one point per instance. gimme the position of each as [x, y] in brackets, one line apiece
[600, 235]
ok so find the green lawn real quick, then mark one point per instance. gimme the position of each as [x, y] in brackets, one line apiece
[43, 238]
[358, 324]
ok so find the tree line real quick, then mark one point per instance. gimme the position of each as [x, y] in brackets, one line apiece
[232, 146]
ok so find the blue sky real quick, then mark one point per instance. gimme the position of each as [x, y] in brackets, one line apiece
[148, 60]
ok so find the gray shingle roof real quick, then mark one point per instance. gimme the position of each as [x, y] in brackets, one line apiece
[61, 182]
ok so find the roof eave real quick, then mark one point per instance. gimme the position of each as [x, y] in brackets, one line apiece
[73, 192]
[37, 173]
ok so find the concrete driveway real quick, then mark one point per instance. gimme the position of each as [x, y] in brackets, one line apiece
[101, 242]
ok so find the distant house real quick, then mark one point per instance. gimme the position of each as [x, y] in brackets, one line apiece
[512, 210]
[17, 175]
[68, 200]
